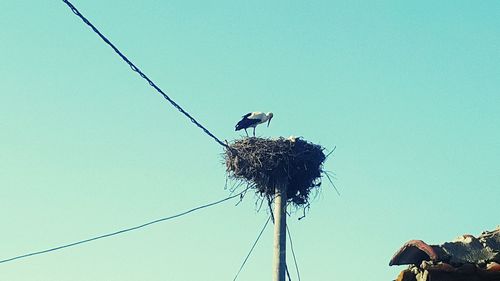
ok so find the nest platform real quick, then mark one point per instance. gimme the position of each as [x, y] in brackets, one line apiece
[266, 163]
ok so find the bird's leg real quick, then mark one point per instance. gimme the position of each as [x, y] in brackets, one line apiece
[254, 131]
[246, 131]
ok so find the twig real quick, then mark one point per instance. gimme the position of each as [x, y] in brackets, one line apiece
[328, 177]
[326, 157]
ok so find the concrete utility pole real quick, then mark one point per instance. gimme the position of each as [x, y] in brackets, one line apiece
[279, 261]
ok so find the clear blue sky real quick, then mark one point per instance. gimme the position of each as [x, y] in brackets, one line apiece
[408, 92]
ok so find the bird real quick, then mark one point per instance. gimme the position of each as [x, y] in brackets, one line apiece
[253, 119]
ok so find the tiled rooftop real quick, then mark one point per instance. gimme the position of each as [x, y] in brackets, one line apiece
[466, 258]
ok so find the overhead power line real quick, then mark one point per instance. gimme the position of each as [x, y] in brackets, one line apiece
[293, 254]
[123, 230]
[136, 69]
[251, 249]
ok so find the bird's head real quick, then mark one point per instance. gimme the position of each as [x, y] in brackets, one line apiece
[269, 117]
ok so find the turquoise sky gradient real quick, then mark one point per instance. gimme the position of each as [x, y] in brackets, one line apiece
[408, 92]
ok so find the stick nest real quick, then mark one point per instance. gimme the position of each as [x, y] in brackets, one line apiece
[264, 163]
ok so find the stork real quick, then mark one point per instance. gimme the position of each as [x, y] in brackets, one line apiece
[252, 120]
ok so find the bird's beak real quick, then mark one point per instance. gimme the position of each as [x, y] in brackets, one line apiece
[269, 121]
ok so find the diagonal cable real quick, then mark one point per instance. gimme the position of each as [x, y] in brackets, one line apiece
[293, 254]
[136, 69]
[251, 249]
[122, 231]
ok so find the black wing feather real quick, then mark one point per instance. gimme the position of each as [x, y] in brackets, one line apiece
[245, 123]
